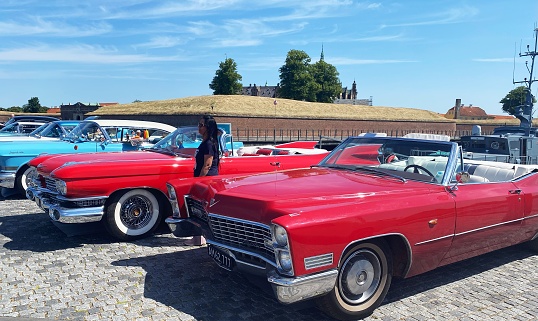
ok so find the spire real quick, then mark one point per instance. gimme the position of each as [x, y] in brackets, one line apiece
[322, 58]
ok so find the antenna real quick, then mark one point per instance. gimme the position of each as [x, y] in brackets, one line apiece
[524, 112]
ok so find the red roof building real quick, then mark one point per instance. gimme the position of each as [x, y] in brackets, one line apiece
[468, 113]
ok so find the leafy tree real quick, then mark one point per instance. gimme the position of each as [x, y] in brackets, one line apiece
[516, 97]
[227, 79]
[296, 80]
[33, 106]
[326, 76]
[15, 109]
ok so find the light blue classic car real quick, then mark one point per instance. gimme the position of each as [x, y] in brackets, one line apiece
[54, 130]
[99, 135]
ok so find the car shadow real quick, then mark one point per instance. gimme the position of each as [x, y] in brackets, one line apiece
[195, 285]
[35, 231]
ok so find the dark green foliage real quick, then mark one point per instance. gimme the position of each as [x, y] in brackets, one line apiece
[33, 106]
[300, 80]
[516, 97]
[226, 80]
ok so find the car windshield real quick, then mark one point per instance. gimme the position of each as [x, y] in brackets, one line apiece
[179, 139]
[38, 130]
[87, 131]
[11, 128]
[424, 160]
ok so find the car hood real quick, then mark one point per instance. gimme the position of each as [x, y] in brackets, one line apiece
[266, 196]
[109, 164]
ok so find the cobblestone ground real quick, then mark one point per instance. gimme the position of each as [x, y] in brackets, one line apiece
[44, 273]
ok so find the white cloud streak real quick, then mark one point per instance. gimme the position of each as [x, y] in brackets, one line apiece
[84, 54]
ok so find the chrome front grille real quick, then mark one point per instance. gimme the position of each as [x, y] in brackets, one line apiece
[50, 184]
[247, 235]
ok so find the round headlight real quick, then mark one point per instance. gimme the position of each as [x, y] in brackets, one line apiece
[61, 187]
[284, 260]
[281, 236]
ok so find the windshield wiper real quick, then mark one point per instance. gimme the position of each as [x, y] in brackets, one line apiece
[367, 169]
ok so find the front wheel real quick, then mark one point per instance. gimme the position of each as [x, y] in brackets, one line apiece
[363, 281]
[22, 180]
[132, 215]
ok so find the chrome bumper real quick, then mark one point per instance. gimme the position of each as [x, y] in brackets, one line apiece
[7, 179]
[286, 289]
[63, 214]
[289, 290]
[181, 227]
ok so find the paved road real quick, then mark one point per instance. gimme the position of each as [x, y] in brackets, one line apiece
[47, 274]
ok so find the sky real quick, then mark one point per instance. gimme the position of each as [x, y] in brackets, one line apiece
[414, 53]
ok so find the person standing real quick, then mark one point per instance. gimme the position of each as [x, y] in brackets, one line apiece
[207, 159]
[207, 153]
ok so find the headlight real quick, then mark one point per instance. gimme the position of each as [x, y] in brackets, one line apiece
[171, 192]
[280, 235]
[32, 176]
[61, 187]
[284, 261]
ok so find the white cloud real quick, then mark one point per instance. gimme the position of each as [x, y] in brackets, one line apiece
[162, 42]
[78, 54]
[39, 26]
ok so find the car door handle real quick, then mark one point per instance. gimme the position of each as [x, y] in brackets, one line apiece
[514, 191]
[277, 164]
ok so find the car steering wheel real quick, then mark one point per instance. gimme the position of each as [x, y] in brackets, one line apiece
[418, 167]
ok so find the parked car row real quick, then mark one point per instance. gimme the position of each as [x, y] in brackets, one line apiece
[334, 226]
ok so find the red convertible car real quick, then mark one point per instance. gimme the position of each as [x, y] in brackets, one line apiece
[127, 190]
[372, 210]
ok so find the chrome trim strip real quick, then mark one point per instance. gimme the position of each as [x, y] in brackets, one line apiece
[313, 262]
[435, 239]
[489, 226]
[478, 229]
[240, 220]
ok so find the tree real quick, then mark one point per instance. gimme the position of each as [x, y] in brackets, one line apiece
[516, 97]
[227, 79]
[326, 76]
[296, 81]
[33, 106]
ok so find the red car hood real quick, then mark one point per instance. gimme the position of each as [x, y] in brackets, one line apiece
[135, 160]
[263, 197]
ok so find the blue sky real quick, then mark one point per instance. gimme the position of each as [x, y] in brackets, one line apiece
[413, 53]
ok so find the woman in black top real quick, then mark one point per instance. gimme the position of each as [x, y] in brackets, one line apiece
[207, 154]
[207, 160]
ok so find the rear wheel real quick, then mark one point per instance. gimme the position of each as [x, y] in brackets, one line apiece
[363, 281]
[132, 215]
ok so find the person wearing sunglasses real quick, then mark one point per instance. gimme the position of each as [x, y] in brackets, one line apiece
[207, 160]
[207, 153]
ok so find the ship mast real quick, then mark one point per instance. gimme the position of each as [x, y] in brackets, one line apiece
[524, 112]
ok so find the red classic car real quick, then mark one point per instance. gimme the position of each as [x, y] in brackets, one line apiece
[127, 190]
[373, 209]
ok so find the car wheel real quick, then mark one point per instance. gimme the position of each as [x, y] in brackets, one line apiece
[22, 180]
[364, 278]
[132, 215]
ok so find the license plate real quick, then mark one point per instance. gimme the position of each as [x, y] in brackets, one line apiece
[222, 259]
